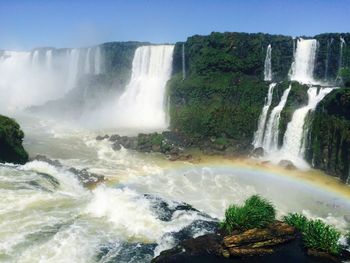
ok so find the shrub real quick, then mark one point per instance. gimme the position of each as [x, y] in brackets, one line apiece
[256, 212]
[297, 220]
[320, 236]
[347, 236]
[316, 234]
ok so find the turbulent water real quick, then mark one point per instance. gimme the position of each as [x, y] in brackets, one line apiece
[33, 78]
[295, 136]
[46, 215]
[142, 105]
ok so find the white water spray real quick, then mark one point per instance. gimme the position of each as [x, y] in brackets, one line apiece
[97, 60]
[143, 102]
[304, 61]
[294, 138]
[259, 134]
[267, 64]
[270, 142]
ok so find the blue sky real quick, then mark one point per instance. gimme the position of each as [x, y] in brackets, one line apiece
[27, 24]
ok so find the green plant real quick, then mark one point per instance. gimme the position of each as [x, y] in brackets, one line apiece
[348, 237]
[320, 236]
[316, 234]
[297, 220]
[256, 212]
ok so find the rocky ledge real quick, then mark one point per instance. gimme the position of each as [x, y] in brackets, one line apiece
[278, 242]
[175, 145]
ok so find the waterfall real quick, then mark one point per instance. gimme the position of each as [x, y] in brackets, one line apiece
[48, 57]
[304, 61]
[342, 43]
[294, 139]
[143, 102]
[35, 58]
[259, 134]
[87, 69]
[267, 64]
[270, 141]
[97, 62]
[73, 67]
[329, 44]
[183, 62]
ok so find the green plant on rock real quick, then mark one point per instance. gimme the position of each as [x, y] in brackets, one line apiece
[256, 212]
[316, 234]
[297, 220]
[320, 236]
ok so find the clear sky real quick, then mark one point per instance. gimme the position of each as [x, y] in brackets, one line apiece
[32, 23]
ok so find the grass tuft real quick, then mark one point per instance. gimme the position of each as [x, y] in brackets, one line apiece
[256, 212]
[316, 234]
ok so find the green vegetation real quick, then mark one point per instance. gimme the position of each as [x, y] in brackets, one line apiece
[256, 212]
[329, 145]
[224, 91]
[348, 237]
[316, 234]
[297, 220]
[345, 76]
[11, 136]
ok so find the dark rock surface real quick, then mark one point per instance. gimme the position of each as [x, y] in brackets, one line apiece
[84, 176]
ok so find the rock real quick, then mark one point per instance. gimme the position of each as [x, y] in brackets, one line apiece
[114, 137]
[258, 152]
[100, 138]
[11, 138]
[287, 164]
[43, 158]
[116, 146]
[347, 218]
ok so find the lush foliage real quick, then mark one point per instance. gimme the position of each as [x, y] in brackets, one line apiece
[11, 136]
[320, 236]
[297, 220]
[329, 146]
[256, 212]
[348, 237]
[316, 234]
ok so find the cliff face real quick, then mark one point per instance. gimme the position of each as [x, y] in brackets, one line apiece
[11, 136]
[329, 138]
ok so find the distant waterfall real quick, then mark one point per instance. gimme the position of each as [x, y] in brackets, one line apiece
[329, 44]
[259, 134]
[304, 61]
[294, 139]
[267, 65]
[270, 141]
[342, 43]
[33, 78]
[73, 67]
[97, 60]
[35, 58]
[87, 66]
[142, 105]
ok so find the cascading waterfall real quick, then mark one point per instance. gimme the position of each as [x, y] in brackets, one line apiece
[259, 134]
[142, 105]
[97, 60]
[294, 139]
[33, 78]
[87, 67]
[267, 64]
[329, 44]
[342, 43]
[304, 61]
[49, 59]
[270, 141]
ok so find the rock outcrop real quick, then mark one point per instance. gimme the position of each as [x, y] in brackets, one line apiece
[11, 138]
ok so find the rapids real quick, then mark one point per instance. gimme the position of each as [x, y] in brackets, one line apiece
[46, 215]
